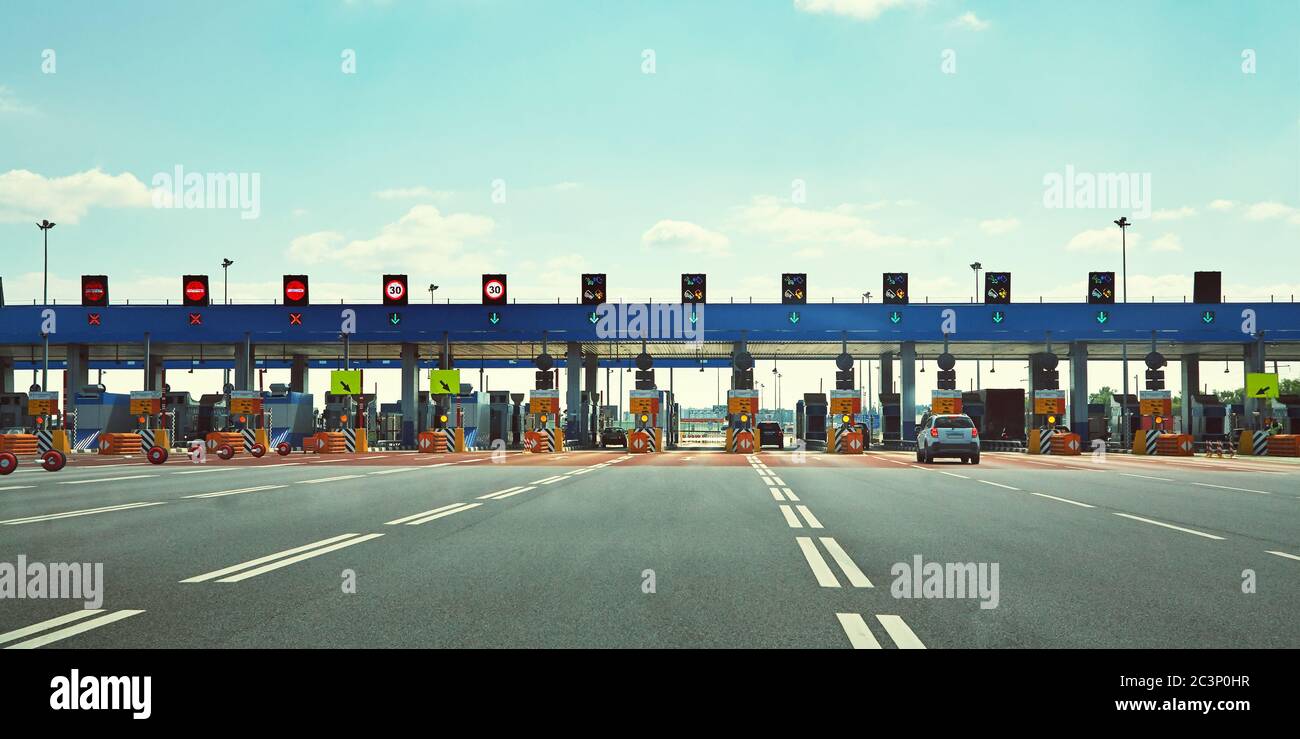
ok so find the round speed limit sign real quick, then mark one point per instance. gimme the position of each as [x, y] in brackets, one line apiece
[493, 289]
[395, 290]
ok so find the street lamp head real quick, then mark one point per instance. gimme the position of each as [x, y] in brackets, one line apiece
[45, 225]
[227, 262]
[1123, 222]
[432, 287]
[976, 265]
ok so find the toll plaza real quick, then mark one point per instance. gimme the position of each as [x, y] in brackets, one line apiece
[299, 336]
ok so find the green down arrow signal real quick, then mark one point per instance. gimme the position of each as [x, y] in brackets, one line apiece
[998, 316]
[794, 317]
[1207, 317]
[895, 317]
[494, 318]
[1102, 316]
[694, 317]
[394, 318]
[593, 317]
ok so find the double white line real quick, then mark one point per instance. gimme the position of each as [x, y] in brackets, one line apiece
[72, 514]
[66, 632]
[860, 636]
[275, 561]
[503, 494]
[436, 513]
[237, 491]
[822, 571]
[793, 520]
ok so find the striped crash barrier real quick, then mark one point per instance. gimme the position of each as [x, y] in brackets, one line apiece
[1253, 443]
[41, 444]
[742, 442]
[846, 440]
[643, 441]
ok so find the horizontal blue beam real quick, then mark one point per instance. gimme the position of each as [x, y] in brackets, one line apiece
[322, 324]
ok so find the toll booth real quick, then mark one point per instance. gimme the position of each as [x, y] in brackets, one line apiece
[1098, 426]
[1048, 413]
[213, 414]
[147, 408]
[288, 416]
[1125, 409]
[647, 434]
[248, 412]
[1004, 414]
[1155, 418]
[810, 420]
[1286, 409]
[182, 416]
[845, 435]
[972, 404]
[516, 440]
[99, 412]
[337, 407]
[43, 407]
[498, 418]
[891, 417]
[1209, 418]
[742, 407]
[543, 434]
[13, 412]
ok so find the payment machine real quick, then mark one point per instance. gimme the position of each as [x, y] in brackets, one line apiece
[742, 406]
[147, 407]
[845, 435]
[546, 436]
[647, 435]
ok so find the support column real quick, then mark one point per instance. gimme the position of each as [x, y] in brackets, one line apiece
[410, 393]
[907, 381]
[6, 374]
[1257, 409]
[573, 392]
[590, 366]
[1189, 375]
[298, 376]
[886, 373]
[244, 364]
[1079, 389]
[76, 374]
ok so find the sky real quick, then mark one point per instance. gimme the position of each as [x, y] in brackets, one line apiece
[841, 138]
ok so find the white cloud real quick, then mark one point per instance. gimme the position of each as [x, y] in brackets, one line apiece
[1222, 205]
[1100, 240]
[686, 236]
[564, 186]
[1167, 243]
[9, 102]
[1267, 211]
[783, 223]
[999, 226]
[971, 21]
[411, 193]
[1174, 214]
[810, 252]
[27, 196]
[423, 239]
[863, 10]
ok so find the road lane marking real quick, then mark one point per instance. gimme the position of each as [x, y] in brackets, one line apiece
[546, 480]
[268, 558]
[903, 637]
[208, 469]
[1270, 551]
[855, 628]
[1064, 500]
[776, 494]
[460, 509]
[105, 479]
[553, 480]
[381, 456]
[952, 474]
[1171, 526]
[790, 519]
[766, 480]
[998, 484]
[1225, 487]
[298, 558]
[326, 479]
[327, 461]
[73, 514]
[48, 624]
[851, 571]
[1146, 477]
[919, 467]
[499, 492]
[789, 495]
[393, 471]
[813, 523]
[219, 494]
[777, 481]
[514, 493]
[821, 570]
[421, 514]
[75, 629]
[17, 487]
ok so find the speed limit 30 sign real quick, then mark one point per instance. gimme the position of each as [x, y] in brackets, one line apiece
[395, 290]
[494, 289]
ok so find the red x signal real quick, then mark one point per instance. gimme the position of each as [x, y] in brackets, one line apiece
[92, 319]
[196, 319]
[295, 319]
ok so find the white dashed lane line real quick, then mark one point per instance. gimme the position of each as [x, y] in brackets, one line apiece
[1170, 526]
[1063, 500]
[67, 631]
[822, 571]
[1225, 487]
[74, 514]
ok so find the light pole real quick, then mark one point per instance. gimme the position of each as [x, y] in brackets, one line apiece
[976, 266]
[45, 227]
[1123, 223]
[432, 287]
[225, 280]
[866, 297]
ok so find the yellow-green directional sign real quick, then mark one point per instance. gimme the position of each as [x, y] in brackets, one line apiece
[444, 382]
[345, 382]
[1261, 384]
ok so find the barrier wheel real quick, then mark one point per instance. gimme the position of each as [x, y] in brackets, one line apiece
[156, 455]
[53, 460]
[283, 449]
[225, 451]
[8, 463]
[257, 450]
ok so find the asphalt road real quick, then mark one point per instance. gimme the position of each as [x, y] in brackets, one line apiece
[773, 550]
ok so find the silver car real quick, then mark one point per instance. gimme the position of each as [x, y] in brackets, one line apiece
[948, 436]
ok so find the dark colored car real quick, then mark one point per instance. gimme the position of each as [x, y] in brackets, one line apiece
[613, 436]
[770, 434]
